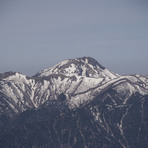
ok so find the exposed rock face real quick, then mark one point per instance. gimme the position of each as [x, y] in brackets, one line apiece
[76, 103]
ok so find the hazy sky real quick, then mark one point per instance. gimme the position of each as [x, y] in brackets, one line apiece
[36, 34]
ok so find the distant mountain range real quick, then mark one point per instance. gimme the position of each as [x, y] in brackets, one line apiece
[77, 103]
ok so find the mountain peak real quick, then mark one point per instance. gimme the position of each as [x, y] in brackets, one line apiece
[84, 66]
[92, 61]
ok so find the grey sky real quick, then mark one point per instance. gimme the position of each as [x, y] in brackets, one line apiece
[36, 34]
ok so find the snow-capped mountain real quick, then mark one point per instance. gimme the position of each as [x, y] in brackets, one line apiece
[86, 66]
[74, 84]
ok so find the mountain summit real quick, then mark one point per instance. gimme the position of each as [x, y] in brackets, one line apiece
[85, 66]
[76, 103]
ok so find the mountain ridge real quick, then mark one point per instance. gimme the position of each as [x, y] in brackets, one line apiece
[51, 82]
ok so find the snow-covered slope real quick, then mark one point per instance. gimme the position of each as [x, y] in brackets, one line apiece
[80, 79]
[16, 93]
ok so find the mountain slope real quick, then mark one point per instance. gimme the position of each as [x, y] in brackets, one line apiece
[101, 123]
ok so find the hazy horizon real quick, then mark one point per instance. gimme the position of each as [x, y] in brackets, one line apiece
[36, 34]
